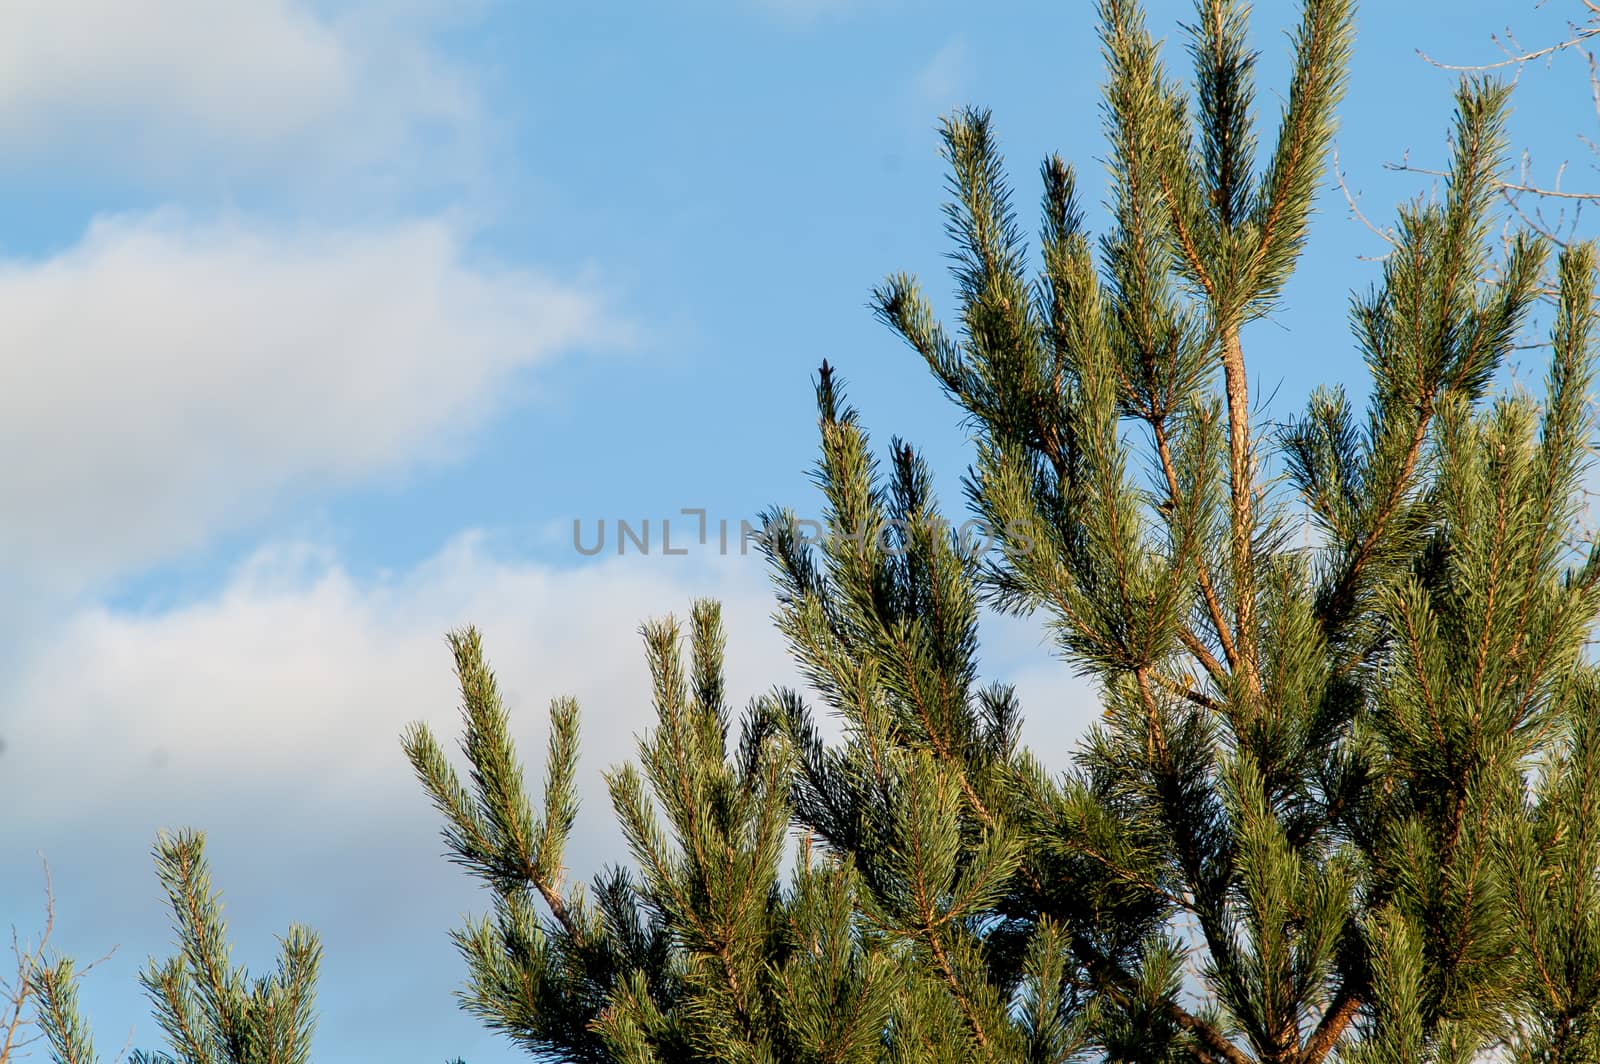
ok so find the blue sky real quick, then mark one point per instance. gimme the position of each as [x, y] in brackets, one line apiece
[322, 321]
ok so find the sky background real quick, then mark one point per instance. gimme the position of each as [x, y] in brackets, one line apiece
[321, 322]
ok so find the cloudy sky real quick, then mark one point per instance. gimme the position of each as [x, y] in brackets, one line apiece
[321, 321]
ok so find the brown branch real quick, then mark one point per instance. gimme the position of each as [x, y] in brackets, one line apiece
[18, 995]
[1240, 487]
[193, 1043]
[1240, 481]
[1116, 984]
[1180, 227]
[1213, 605]
[1218, 1047]
[735, 987]
[1208, 661]
[558, 907]
[967, 1009]
[1339, 1015]
[59, 1019]
[1525, 910]
[926, 913]
[1156, 740]
[1188, 693]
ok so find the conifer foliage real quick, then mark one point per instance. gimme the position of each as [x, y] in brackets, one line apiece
[1342, 803]
[210, 1011]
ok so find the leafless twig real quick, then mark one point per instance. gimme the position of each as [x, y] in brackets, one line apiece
[1524, 188]
[17, 992]
[1519, 58]
[1387, 236]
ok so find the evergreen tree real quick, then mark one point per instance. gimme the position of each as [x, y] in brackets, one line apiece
[211, 1011]
[706, 954]
[1342, 801]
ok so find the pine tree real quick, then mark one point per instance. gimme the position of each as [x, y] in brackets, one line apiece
[211, 1011]
[705, 955]
[1342, 800]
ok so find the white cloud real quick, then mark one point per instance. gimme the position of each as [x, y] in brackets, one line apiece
[1057, 705]
[942, 81]
[226, 86]
[289, 689]
[293, 683]
[269, 715]
[165, 380]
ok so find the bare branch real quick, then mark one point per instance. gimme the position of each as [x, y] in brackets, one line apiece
[1518, 57]
[1387, 236]
[16, 994]
[1518, 60]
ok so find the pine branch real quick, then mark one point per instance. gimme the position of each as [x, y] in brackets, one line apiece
[1208, 590]
[1336, 1020]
